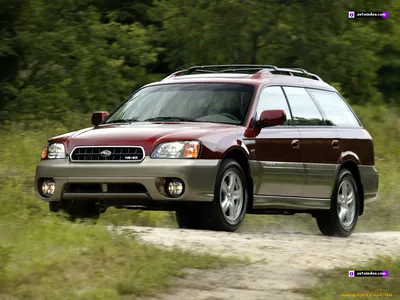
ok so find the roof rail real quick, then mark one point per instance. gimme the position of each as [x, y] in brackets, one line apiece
[299, 72]
[242, 68]
[298, 69]
[235, 67]
[225, 68]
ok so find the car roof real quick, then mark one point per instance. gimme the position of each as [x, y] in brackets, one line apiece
[247, 74]
[247, 79]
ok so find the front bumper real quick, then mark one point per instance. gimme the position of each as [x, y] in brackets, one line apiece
[198, 176]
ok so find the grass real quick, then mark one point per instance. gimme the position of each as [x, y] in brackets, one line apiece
[336, 284]
[53, 259]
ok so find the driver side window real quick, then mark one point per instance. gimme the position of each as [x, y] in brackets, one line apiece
[273, 98]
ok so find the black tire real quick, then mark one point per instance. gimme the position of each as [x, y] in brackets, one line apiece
[79, 210]
[329, 222]
[218, 219]
[192, 219]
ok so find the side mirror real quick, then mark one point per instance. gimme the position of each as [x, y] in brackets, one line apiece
[98, 117]
[272, 118]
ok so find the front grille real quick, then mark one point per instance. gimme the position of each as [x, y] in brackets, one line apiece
[116, 154]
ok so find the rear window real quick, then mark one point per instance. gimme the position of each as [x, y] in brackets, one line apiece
[336, 111]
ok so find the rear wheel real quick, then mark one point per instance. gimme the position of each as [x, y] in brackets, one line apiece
[76, 210]
[342, 218]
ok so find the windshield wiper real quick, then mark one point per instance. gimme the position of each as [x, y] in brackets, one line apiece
[121, 121]
[155, 119]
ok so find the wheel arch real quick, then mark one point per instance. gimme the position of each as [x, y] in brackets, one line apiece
[242, 158]
[352, 166]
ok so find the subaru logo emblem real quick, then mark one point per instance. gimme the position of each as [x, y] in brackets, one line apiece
[105, 153]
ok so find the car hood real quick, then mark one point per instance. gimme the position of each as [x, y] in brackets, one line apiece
[146, 135]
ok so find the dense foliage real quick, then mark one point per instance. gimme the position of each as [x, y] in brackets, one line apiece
[81, 55]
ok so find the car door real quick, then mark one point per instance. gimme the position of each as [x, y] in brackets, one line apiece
[276, 152]
[319, 144]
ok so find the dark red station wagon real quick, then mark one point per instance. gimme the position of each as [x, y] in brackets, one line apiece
[214, 143]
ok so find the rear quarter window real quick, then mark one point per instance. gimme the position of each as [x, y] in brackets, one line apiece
[334, 108]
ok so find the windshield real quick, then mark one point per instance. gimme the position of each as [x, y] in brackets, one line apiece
[194, 102]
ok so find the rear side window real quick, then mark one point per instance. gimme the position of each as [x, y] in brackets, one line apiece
[273, 98]
[304, 110]
[336, 111]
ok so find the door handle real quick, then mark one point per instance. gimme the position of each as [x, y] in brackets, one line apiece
[295, 144]
[335, 144]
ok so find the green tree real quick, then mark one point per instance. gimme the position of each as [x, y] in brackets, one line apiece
[65, 55]
[75, 59]
[313, 34]
[9, 48]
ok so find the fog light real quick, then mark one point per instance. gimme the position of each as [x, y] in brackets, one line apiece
[48, 188]
[174, 187]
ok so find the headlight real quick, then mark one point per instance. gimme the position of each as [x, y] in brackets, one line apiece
[187, 149]
[55, 150]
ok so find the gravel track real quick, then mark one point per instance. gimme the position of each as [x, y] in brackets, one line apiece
[292, 259]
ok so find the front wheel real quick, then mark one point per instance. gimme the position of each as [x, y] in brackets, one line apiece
[342, 218]
[230, 197]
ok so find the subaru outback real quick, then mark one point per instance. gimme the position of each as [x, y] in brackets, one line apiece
[214, 143]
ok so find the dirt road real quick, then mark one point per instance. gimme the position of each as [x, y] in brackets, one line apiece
[291, 260]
